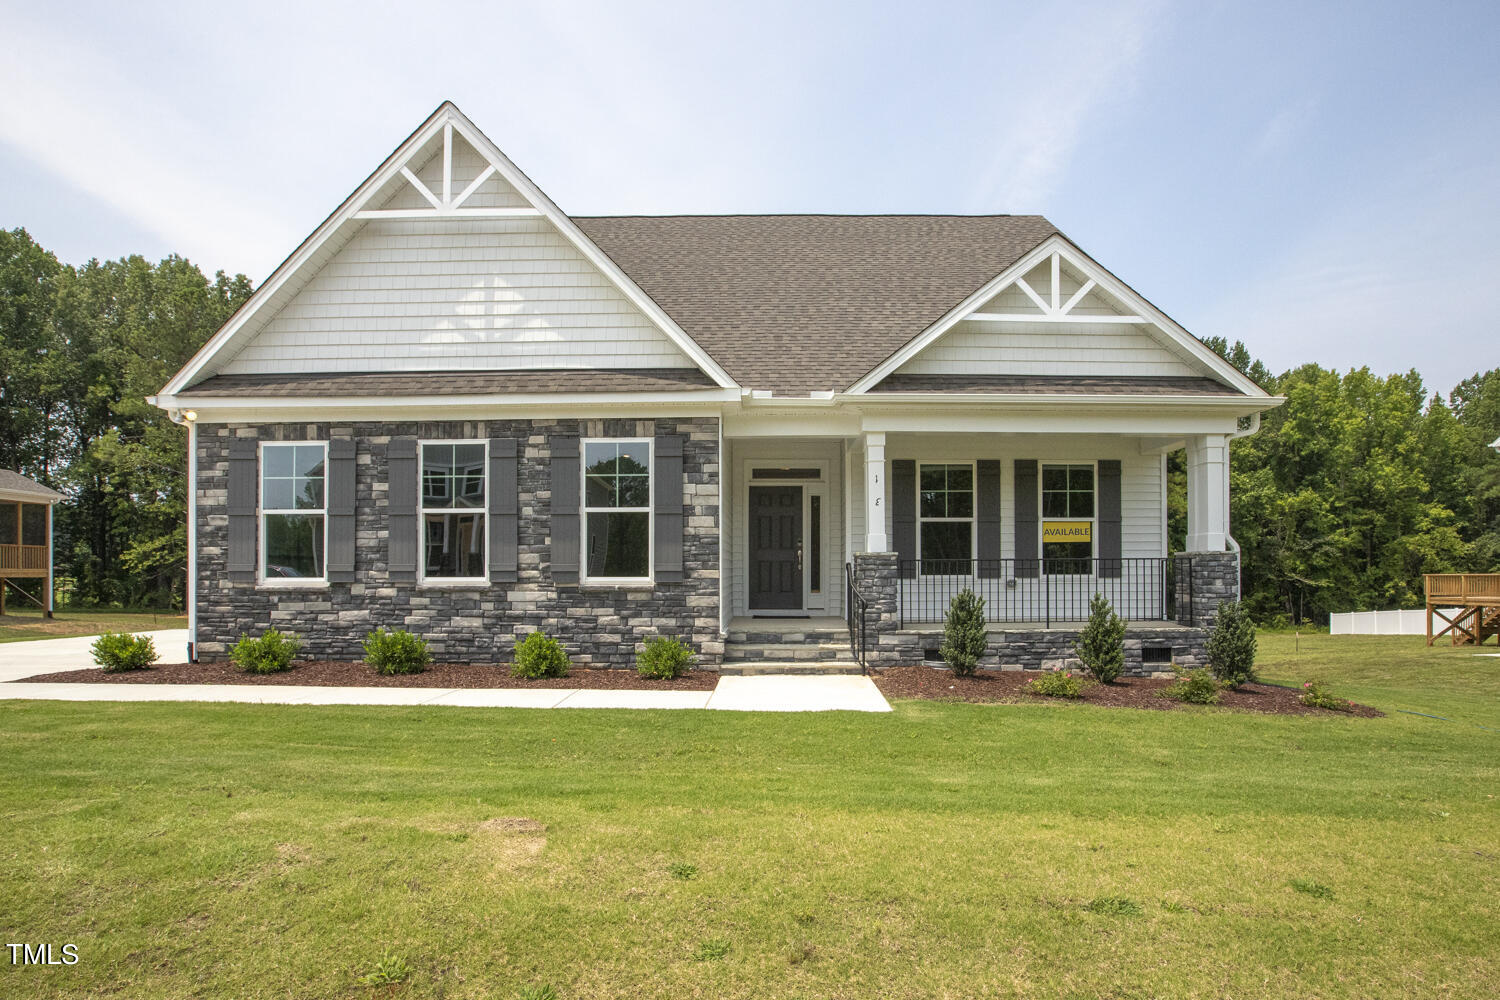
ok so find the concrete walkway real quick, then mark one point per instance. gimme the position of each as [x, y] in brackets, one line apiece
[768, 693]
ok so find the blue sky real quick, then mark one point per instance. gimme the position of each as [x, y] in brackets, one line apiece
[1320, 181]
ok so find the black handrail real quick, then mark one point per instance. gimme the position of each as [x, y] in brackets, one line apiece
[1040, 591]
[855, 608]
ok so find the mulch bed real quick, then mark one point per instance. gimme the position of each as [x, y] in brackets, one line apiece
[344, 673]
[1128, 692]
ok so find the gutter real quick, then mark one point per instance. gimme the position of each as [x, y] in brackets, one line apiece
[1234, 546]
[190, 418]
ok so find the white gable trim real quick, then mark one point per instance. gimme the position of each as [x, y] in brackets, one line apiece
[1058, 248]
[446, 204]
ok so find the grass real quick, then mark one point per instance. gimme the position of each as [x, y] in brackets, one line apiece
[947, 850]
[22, 624]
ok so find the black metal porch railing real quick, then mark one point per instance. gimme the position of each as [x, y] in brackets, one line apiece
[855, 608]
[1040, 591]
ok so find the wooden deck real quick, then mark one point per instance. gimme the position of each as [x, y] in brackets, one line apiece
[23, 560]
[1476, 596]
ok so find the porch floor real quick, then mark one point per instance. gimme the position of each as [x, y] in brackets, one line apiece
[1057, 626]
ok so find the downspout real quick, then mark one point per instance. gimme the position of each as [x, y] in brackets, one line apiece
[190, 418]
[1234, 546]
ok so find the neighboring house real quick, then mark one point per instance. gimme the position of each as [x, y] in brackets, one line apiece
[457, 410]
[26, 538]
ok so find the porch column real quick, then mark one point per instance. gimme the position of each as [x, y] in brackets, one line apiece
[875, 537]
[1208, 492]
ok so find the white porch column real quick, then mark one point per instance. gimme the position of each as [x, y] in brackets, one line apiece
[875, 538]
[1208, 492]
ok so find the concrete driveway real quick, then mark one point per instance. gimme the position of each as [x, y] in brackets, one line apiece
[48, 656]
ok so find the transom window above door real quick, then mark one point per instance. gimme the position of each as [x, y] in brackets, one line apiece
[945, 512]
[453, 510]
[617, 509]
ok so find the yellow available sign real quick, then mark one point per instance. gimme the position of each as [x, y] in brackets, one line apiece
[1067, 531]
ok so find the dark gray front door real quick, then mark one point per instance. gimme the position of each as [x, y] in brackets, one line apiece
[775, 548]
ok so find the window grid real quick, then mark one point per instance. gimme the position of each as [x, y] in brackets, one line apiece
[453, 510]
[1068, 495]
[293, 509]
[945, 496]
[617, 495]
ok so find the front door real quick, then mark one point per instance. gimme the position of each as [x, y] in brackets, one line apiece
[775, 548]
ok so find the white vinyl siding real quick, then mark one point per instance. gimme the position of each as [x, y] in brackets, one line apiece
[1019, 348]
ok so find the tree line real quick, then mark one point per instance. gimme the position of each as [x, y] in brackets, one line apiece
[1350, 491]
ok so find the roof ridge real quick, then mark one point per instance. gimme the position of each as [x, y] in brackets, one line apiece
[822, 215]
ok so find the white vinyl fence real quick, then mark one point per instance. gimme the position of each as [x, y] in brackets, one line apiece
[1381, 622]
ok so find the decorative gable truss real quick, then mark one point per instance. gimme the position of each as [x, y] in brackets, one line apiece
[1057, 312]
[447, 257]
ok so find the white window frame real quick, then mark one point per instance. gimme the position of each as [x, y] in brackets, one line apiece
[261, 511]
[1042, 518]
[422, 511]
[584, 510]
[971, 520]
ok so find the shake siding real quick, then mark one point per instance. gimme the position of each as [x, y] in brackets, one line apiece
[1048, 348]
[431, 295]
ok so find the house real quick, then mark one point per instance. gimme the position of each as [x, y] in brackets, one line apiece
[26, 539]
[457, 410]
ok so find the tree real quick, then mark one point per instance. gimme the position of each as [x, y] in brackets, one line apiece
[1101, 643]
[964, 634]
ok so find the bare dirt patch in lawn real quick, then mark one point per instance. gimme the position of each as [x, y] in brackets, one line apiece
[934, 684]
[343, 673]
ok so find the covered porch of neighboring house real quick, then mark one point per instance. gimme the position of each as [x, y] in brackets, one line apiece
[848, 549]
[26, 540]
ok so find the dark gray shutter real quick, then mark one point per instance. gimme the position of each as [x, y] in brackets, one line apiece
[903, 500]
[1027, 535]
[1108, 498]
[504, 510]
[668, 508]
[244, 495]
[340, 485]
[988, 541]
[565, 483]
[401, 500]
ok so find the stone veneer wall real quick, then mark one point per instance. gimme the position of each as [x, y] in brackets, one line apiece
[600, 626]
[1204, 580]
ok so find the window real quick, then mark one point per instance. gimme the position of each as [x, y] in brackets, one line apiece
[33, 524]
[814, 544]
[292, 525]
[617, 510]
[453, 510]
[945, 512]
[1068, 518]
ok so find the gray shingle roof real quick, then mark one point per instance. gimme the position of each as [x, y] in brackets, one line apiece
[14, 482]
[1139, 385]
[460, 383]
[802, 303]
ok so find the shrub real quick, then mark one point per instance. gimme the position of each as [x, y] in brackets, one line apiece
[1231, 645]
[1197, 687]
[664, 659]
[270, 654]
[964, 636]
[397, 652]
[1316, 695]
[1057, 684]
[539, 655]
[1101, 644]
[118, 652]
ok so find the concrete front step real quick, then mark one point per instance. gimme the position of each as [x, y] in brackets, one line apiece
[800, 668]
[810, 636]
[785, 651]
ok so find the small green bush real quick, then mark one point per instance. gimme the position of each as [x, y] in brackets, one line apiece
[1057, 684]
[1101, 644]
[270, 654]
[682, 871]
[391, 969]
[397, 652]
[1316, 695]
[711, 950]
[664, 659]
[118, 652]
[1231, 645]
[539, 655]
[1197, 687]
[964, 635]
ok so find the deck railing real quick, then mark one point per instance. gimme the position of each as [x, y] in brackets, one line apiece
[1039, 591]
[1463, 588]
[23, 557]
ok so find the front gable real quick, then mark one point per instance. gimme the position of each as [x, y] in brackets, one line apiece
[1057, 313]
[447, 258]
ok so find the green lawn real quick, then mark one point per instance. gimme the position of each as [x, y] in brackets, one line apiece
[22, 624]
[944, 851]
